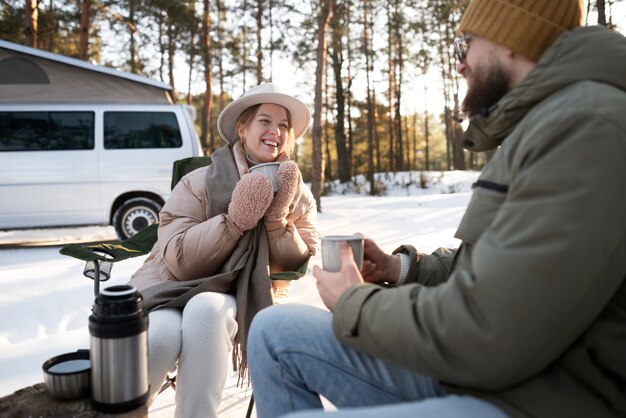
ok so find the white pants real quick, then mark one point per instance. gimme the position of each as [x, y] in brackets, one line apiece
[199, 338]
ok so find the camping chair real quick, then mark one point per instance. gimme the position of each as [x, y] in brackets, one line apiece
[99, 258]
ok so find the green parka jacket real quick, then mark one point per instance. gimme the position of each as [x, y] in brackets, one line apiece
[530, 312]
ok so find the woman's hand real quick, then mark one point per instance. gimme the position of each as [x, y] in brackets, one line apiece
[252, 196]
[288, 180]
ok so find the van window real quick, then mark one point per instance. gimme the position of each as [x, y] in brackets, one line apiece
[124, 130]
[46, 131]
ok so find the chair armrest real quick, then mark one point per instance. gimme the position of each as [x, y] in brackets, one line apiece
[291, 275]
[139, 244]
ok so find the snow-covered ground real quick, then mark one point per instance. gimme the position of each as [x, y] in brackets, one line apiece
[45, 300]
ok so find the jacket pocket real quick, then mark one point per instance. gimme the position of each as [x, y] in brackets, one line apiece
[485, 203]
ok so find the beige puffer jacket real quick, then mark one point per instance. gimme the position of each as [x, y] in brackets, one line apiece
[190, 245]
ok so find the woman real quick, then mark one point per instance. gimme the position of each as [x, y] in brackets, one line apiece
[221, 233]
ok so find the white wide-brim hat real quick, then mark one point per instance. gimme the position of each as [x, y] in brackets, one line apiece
[263, 93]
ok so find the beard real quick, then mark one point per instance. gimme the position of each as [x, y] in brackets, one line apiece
[489, 84]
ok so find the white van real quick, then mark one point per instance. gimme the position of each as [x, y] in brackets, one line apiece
[82, 164]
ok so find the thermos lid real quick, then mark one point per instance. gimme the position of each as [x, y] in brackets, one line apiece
[118, 301]
[119, 291]
[118, 312]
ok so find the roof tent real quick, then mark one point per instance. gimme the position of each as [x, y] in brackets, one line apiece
[29, 75]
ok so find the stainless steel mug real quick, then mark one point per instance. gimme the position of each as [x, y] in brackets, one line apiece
[118, 329]
[330, 251]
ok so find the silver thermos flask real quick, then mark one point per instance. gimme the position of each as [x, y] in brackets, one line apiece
[118, 329]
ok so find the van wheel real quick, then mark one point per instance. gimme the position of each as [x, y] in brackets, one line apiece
[134, 215]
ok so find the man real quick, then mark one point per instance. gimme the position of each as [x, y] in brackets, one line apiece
[527, 318]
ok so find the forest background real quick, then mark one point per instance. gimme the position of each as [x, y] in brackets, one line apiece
[379, 75]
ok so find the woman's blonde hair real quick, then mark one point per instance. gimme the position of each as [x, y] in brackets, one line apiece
[245, 119]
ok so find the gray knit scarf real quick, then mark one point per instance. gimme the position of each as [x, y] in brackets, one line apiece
[245, 273]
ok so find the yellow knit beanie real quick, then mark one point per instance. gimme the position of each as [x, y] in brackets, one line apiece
[527, 27]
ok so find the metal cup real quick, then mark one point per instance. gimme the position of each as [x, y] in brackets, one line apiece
[67, 376]
[330, 251]
[269, 170]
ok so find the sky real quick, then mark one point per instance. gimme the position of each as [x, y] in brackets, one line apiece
[45, 301]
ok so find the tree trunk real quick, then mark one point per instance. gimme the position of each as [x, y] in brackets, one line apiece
[600, 5]
[343, 156]
[414, 147]
[446, 100]
[370, 107]
[349, 92]
[458, 156]
[132, 48]
[85, 23]
[398, 69]
[171, 51]
[408, 160]
[220, 66]
[270, 18]
[375, 118]
[208, 92]
[457, 131]
[259, 50]
[398, 116]
[317, 170]
[426, 133]
[244, 46]
[51, 25]
[31, 15]
[391, 89]
[192, 55]
[161, 46]
[328, 173]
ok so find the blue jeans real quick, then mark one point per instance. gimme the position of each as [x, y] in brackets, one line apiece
[294, 356]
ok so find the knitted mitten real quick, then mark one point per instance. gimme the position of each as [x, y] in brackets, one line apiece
[288, 180]
[251, 197]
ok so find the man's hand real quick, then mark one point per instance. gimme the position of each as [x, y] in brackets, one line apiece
[332, 285]
[379, 267]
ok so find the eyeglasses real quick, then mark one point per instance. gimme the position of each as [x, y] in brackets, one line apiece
[460, 47]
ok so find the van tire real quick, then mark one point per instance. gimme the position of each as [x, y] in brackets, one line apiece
[134, 215]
